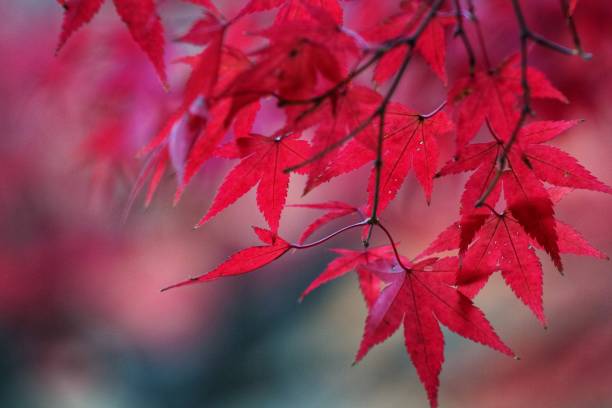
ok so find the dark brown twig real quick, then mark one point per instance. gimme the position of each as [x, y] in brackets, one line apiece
[461, 33]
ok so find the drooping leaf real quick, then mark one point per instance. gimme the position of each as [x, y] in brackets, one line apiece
[335, 119]
[146, 28]
[419, 299]
[246, 260]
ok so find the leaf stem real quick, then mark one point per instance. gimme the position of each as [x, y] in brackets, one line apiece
[433, 112]
[330, 236]
[565, 7]
[394, 246]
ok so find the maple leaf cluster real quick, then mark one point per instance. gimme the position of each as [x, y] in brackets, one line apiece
[335, 87]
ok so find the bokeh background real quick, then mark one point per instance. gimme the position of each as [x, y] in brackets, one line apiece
[82, 321]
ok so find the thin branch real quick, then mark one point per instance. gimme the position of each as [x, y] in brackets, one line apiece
[526, 34]
[545, 42]
[434, 112]
[565, 8]
[356, 225]
[525, 110]
[382, 109]
[461, 33]
[318, 99]
[378, 163]
[392, 243]
[479, 35]
[330, 236]
[409, 41]
[365, 123]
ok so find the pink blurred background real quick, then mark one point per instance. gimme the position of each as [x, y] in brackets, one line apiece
[82, 321]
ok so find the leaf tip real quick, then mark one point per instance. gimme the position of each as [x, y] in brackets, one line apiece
[201, 223]
[167, 288]
[165, 85]
[178, 194]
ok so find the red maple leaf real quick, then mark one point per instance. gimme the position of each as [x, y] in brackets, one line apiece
[246, 260]
[551, 164]
[495, 95]
[301, 57]
[263, 160]
[431, 44]
[140, 16]
[502, 244]
[409, 141]
[421, 298]
[179, 140]
[529, 164]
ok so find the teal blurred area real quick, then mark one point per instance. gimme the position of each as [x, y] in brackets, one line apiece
[82, 321]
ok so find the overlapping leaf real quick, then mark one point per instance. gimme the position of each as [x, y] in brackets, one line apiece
[431, 44]
[295, 9]
[300, 57]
